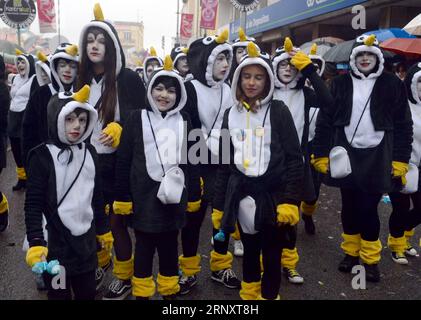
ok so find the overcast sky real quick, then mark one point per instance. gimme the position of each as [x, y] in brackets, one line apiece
[158, 16]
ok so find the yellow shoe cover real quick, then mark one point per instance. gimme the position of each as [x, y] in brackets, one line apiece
[21, 173]
[167, 286]
[370, 252]
[250, 290]
[351, 244]
[397, 245]
[236, 234]
[4, 205]
[190, 265]
[308, 209]
[143, 287]
[289, 258]
[220, 261]
[123, 270]
[104, 258]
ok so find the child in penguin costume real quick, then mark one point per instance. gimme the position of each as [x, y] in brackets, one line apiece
[208, 96]
[63, 69]
[115, 92]
[259, 187]
[363, 146]
[403, 220]
[151, 63]
[139, 69]
[145, 188]
[42, 69]
[239, 50]
[179, 56]
[23, 85]
[291, 68]
[64, 185]
[4, 108]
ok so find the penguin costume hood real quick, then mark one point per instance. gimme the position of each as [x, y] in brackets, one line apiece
[67, 52]
[177, 53]
[367, 43]
[166, 71]
[254, 57]
[241, 42]
[281, 54]
[43, 64]
[321, 63]
[202, 55]
[152, 57]
[411, 81]
[30, 63]
[108, 28]
[60, 106]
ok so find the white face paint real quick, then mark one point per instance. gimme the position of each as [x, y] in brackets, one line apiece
[239, 53]
[21, 66]
[220, 67]
[419, 88]
[182, 66]
[164, 97]
[365, 62]
[75, 126]
[286, 71]
[44, 77]
[152, 65]
[95, 47]
[67, 71]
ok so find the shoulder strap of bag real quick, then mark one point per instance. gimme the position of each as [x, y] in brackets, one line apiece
[156, 144]
[359, 121]
[217, 115]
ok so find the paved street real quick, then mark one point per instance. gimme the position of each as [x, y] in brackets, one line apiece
[319, 256]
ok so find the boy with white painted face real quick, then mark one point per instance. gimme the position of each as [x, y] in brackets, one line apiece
[239, 48]
[208, 96]
[63, 67]
[363, 146]
[143, 159]
[151, 63]
[181, 65]
[23, 85]
[64, 185]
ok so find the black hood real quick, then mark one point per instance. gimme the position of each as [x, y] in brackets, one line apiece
[411, 79]
[65, 51]
[177, 53]
[202, 54]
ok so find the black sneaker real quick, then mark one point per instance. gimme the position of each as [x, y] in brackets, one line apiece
[100, 275]
[4, 221]
[348, 263]
[309, 226]
[118, 290]
[21, 185]
[186, 284]
[227, 277]
[372, 272]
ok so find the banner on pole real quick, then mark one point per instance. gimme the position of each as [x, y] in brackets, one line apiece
[208, 14]
[186, 26]
[47, 16]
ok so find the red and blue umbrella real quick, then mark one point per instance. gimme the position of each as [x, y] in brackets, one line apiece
[385, 34]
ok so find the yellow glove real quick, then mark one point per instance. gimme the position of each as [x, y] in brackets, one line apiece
[123, 208]
[35, 255]
[193, 206]
[106, 240]
[217, 218]
[300, 60]
[287, 214]
[400, 169]
[114, 130]
[320, 164]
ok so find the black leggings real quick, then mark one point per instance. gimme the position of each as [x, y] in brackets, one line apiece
[167, 246]
[16, 146]
[83, 287]
[402, 219]
[359, 213]
[269, 242]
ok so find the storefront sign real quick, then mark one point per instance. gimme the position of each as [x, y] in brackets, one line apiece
[245, 5]
[17, 13]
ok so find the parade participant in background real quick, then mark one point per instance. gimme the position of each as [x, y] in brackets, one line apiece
[151, 63]
[24, 84]
[363, 145]
[42, 69]
[115, 91]
[403, 220]
[63, 184]
[208, 96]
[260, 185]
[139, 69]
[157, 216]
[179, 56]
[4, 108]
[63, 68]
[239, 48]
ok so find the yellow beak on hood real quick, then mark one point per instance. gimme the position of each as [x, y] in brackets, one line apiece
[370, 40]
[82, 95]
[98, 14]
[223, 37]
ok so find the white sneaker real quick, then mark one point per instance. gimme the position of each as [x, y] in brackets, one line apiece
[238, 248]
[293, 276]
[399, 258]
[411, 251]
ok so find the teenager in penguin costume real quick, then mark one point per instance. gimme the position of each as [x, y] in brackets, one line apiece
[291, 69]
[363, 145]
[64, 185]
[208, 96]
[115, 92]
[23, 85]
[155, 183]
[63, 68]
[4, 108]
[151, 63]
[179, 56]
[239, 50]
[259, 186]
[403, 220]
[42, 69]
[139, 69]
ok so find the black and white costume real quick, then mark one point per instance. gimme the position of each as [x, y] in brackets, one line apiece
[177, 53]
[152, 57]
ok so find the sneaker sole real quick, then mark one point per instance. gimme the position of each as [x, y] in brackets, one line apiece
[222, 282]
[301, 281]
[401, 262]
[122, 297]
